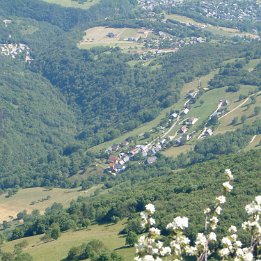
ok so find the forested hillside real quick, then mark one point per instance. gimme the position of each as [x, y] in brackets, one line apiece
[71, 99]
[36, 124]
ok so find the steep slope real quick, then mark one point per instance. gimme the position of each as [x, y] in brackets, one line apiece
[36, 124]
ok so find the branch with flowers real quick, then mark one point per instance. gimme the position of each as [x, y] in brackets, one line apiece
[151, 247]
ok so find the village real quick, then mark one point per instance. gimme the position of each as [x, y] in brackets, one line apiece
[178, 130]
[229, 10]
[223, 9]
[15, 49]
[151, 5]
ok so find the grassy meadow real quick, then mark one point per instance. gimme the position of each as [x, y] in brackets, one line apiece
[73, 4]
[33, 198]
[57, 250]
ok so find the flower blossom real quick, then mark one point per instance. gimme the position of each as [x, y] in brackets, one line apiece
[212, 236]
[227, 186]
[218, 210]
[150, 208]
[221, 199]
[228, 173]
[154, 231]
[178, 223]
[232, 229]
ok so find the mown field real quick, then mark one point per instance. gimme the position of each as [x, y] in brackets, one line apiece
[99, 36]
[73, 4]
[33, 198]
[57, 250]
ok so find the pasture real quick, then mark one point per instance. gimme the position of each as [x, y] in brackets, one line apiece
[73, 3]
[37, 198]
[57, 250]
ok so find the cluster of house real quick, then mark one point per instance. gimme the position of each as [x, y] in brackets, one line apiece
[231, 10]
[14, 50]
[117, 161]
[168, 41]
[150, 5]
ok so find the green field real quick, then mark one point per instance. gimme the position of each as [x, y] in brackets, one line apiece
[246, 109]
[175, 151]
[98, 36]
[58, 249]
[73, 4]
[202, 112]
[9, 207]
[219, 30]
[252, 64]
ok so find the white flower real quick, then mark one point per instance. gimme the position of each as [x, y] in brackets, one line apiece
[178, 223]
[228, 173]
[224, 252]
[159, 244]
[227, 186]
[221, 199]
[207, 210]
[212, 236]
[238, 244]
[165, 251]
[144, 215]
[253, 208]
[214, 220]
[150, 208]
[232, 229]
[201, 239]
[191, 251]
[258, 200]
[148, 258]
[248, 256]
[155, 251]
[226, 241]
[218, 210]
[183, 240]
[155, 231]
[151, 221]
[234, 237]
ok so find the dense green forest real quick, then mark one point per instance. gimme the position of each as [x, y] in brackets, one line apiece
[234, 74]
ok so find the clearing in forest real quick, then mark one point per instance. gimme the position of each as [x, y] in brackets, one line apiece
[37, 198]
[74, 3]
[114, 37]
